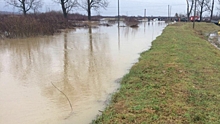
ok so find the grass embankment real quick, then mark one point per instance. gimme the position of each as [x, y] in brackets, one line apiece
[176, 81]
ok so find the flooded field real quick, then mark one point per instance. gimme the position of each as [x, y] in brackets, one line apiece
[67, 78]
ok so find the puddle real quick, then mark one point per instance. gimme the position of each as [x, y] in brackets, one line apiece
[214, 38]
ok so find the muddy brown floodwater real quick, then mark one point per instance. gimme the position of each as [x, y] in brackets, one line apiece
[84, 64]
[214, 38]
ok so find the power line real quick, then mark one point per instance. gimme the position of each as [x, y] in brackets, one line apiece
[148, 6]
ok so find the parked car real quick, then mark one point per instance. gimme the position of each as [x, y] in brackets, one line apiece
[197, 19]
[184, 19]
[205, 19]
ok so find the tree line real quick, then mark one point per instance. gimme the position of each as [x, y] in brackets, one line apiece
[66, 5]
[202, 6]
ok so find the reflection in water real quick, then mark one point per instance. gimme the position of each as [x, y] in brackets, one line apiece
[118, 38]
[214, 38]
[90, 39]
[127, 31]
[65, 72]
[144, 27]
[83, 64]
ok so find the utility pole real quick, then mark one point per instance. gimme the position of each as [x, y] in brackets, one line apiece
[187, 10]
[213, 4]
[144, 14]
[118, 27]
[194, 15]
[168, 12]
[118, 14]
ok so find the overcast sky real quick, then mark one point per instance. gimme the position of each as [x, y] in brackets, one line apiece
[127, 7]
[153, 7]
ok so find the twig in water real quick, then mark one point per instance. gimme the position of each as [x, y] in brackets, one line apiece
[65, 96]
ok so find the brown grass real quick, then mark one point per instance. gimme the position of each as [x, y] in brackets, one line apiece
[12, 26]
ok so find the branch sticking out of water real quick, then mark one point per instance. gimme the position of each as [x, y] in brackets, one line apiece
[65, 96]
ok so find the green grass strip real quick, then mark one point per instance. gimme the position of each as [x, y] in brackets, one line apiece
[177, 81]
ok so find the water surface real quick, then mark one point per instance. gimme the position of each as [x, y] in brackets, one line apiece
[84, 64]
[214, 38]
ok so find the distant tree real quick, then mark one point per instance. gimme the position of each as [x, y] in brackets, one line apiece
[88, 5]
[25, 5]
[181, 15]
[212, 9]
[37, 6]
[190, 4]
[204, 6]
[67, 6]
[177, 15]
[218, 8]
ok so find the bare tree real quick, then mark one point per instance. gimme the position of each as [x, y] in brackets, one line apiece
[211, 8]
[38, 4]
[88, 5]
[67, 6]
[204, 6]
[190, 4]
[218, 4]
[25, 5]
